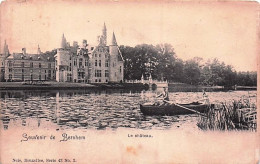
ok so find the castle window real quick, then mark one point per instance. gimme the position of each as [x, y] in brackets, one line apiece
[31, 64]
[95, 55]
[49, 65]
[22, 70]
[40, 65]
[95, 80]
[99, 80]
[95, 62]
[22, 64]
[10, 70]
[10, 64]
[45, 71]
[75, 62]
[97, 73]
[86, 63]
[99, 63]
[120, 69]
[106, 73]
[80, 62]
[40, 77]
[99, 55]
[70, 68]
[106, 63]
[70, 57]
[49, 74]
[10, 76]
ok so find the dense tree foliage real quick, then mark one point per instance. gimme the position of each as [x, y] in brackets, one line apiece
[162, 63]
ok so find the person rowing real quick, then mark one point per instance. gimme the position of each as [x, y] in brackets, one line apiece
[205, 98]
[165, 96]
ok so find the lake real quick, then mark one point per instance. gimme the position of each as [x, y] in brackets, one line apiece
[99, 109]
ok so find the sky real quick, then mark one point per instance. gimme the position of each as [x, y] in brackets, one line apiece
[224, 30]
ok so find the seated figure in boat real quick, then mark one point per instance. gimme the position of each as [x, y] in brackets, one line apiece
[165, 96]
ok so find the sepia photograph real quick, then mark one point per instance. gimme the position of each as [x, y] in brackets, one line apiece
[129, 81]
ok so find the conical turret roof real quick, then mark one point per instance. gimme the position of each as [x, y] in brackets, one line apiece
[114, 43]
[63, 41]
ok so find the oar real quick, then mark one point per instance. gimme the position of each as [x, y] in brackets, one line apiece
[192, 110]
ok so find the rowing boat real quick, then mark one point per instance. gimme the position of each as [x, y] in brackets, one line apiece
[173, 109]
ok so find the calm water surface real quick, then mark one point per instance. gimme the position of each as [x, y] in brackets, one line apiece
[107, 109]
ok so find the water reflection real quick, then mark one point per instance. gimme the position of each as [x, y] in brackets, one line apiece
[92, 109]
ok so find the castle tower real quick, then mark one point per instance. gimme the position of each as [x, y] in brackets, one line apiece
[116, 61]
[62, 61]
[5, 50]
[104, 33]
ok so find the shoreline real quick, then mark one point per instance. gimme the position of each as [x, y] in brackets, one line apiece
[67, 86]
[173, 87]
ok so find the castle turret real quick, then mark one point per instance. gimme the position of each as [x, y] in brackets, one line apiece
[62, 59]
[113, 49]
[116, 65]
[113, 43]
[5, 50]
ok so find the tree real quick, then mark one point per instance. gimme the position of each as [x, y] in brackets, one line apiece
[192, 72]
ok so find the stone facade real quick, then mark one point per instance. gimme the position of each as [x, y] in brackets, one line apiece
[77, 63]
[24, 66]
[89, 64]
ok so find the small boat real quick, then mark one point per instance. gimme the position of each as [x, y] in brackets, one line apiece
[173, 109]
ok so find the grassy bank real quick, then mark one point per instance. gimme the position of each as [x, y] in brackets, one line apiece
[235, 115]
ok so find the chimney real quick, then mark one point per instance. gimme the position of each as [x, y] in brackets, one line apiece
[84, 43]
[24, 50]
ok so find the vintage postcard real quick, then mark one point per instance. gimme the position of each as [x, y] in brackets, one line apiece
[129, 82]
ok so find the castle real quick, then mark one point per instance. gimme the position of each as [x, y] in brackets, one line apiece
[77, 63]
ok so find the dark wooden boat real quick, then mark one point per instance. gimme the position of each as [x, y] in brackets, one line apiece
[173, 109]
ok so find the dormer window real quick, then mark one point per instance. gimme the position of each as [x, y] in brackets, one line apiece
[39, 58]
[30, 57]
[22, 57]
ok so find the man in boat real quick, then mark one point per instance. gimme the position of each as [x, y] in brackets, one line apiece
[165, 96]
[205, 99]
